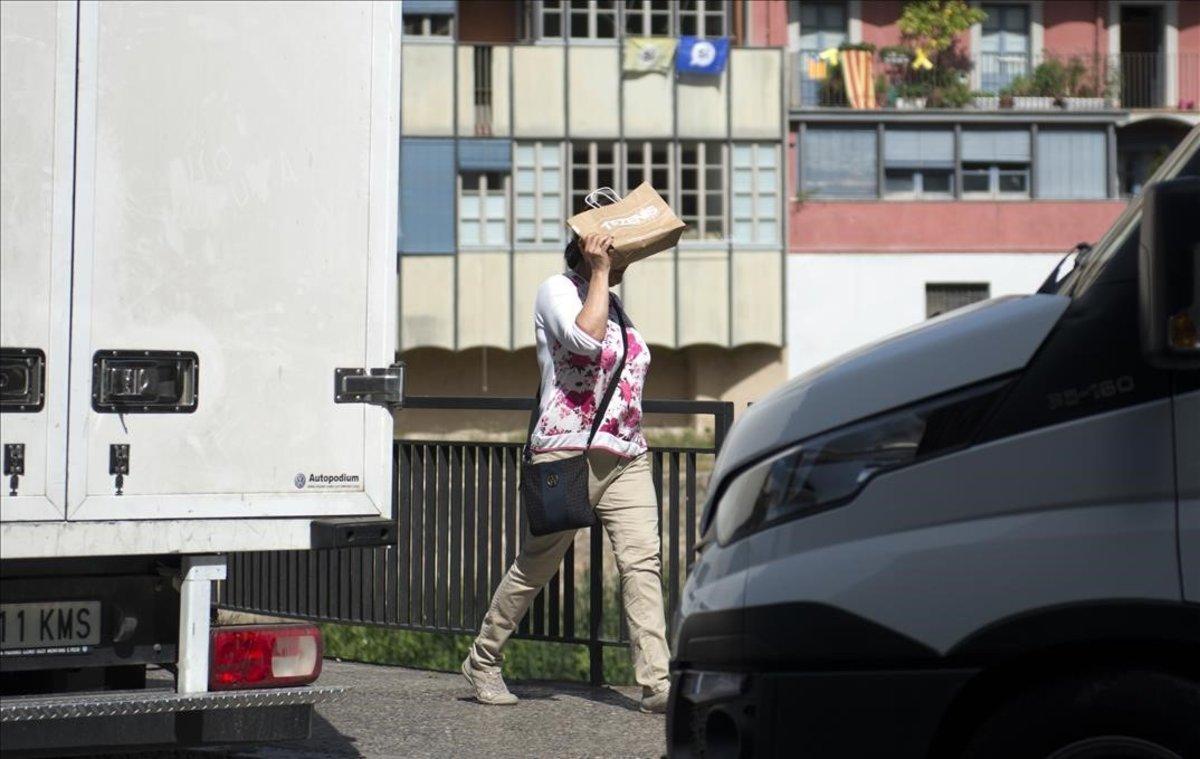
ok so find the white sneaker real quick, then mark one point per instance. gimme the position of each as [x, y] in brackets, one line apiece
[656, 702]
[489, 686]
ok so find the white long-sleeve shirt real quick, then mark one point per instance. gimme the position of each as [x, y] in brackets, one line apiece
[576, 369]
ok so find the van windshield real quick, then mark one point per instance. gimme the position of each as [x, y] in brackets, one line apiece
[1083, 265]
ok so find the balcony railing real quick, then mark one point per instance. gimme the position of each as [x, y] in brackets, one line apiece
[993, 81]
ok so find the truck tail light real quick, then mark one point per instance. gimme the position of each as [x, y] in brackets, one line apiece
[264, 656]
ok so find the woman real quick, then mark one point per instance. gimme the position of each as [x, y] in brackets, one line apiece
[578, 347]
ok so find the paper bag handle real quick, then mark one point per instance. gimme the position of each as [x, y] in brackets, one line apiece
[592, 199]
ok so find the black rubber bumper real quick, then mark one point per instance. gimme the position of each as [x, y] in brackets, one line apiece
[84, 724]
[828, 715]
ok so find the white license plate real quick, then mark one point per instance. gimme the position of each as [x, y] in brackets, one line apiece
[49, 628]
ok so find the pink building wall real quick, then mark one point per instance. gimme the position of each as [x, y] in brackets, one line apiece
[1075, 26]
[1043, 226]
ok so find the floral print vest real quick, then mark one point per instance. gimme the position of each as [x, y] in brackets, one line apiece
[569, 408]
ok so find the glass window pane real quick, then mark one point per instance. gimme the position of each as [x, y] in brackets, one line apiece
[551, 24]
[439, 25]
[549, 155]
[975, 181]
[743, 155]
[937, 182]
[767, 231]
[767, 205]
[495, 232]
[525, 180]
[743, 180]
[714, 204]
[551, 180]
[1016, 182]
[525, 155]
[526, 231]
[551, 207]
[743, 231]
[898, 182]
[765, 156]
[468, 205]
[495, 205]
[743, 206]
[766, 180]
[660, 179]
[525, 206]
[579, 24]
[660, 23]
[552, 231]
[606, 24]
[714, 179]
[468, 233]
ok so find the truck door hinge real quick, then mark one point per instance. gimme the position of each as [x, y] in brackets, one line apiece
[380, 387]
[14, 464]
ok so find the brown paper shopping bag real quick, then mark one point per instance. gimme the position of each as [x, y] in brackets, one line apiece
[641, 224]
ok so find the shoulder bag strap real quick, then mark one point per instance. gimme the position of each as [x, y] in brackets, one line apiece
[616, 375]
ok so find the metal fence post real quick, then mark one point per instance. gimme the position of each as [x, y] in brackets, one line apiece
[722, 421]
[595, 607]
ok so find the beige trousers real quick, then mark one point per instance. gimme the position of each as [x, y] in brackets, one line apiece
[622, 493]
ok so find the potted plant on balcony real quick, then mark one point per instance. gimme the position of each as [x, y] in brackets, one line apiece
[985, 101]
[936, 74]
[1026, 93]
[912, 95]
[1084, 90]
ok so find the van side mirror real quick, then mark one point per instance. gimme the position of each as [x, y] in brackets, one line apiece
[1169, 274]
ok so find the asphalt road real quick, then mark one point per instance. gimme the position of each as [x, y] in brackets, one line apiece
[398, 712]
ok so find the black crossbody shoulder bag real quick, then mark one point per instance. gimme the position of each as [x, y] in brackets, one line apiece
[556, 492]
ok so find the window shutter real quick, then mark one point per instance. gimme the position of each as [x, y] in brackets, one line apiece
[840, 162]
[485, 155]
[1072, 163]
[918, 148]
[427, 187]
[430, 7]
[995, 145]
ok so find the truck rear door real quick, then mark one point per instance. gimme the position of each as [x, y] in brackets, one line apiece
[37, 87]
[235, 216]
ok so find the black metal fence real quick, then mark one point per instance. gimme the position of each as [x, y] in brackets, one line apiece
[459, 526]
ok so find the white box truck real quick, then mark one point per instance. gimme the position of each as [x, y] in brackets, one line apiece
[977, 538]
[197, 283]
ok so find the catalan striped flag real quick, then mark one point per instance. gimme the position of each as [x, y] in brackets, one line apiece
[859, 76]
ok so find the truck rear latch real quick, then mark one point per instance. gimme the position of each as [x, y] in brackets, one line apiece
[379, 387]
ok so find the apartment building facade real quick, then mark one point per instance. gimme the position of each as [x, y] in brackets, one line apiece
[513, 110]
[951, 189]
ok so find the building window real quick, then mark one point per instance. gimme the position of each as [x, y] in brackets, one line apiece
[702, 18]
[941, 297]
[996, 163]
[648, 18]
[998, 180]
[539, 212]
[593, 165]
[483, 90]
[429, 24]
[702, 190]
[483, 209]
[579, 19]
[755, 193]
[1003, 45]
[840, 162]
[649, 162]
[918, 163]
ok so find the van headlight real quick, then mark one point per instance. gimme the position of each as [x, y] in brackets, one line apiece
[830, 469]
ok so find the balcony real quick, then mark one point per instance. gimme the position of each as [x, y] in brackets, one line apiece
[887, 79]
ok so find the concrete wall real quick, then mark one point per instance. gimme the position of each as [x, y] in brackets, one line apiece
[427, 107]
[839, 302]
